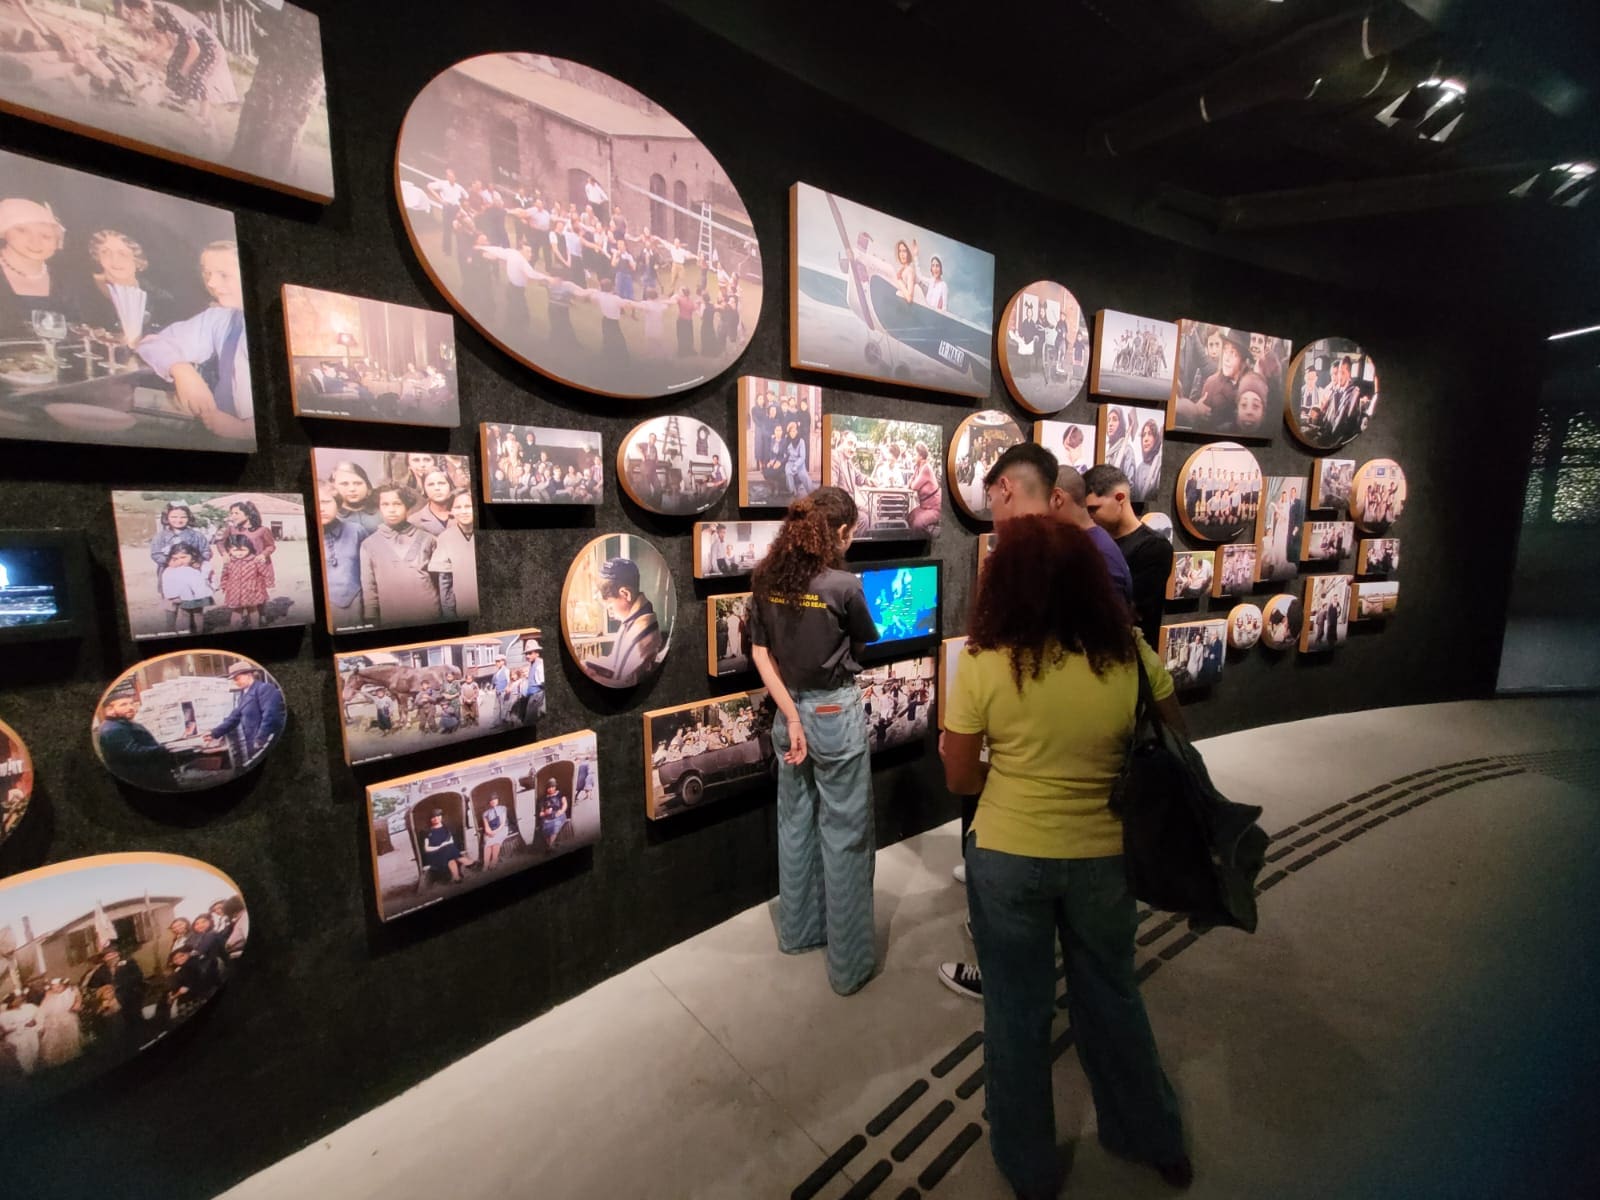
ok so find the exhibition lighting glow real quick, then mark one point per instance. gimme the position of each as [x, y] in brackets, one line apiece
[1571, 333]
[1567, 184]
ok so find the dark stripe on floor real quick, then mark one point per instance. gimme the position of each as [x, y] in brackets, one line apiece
[831, 1166]
[896, 1106]
[948, 1063]
[869, 1182]
[935, 1117]
[949, 1156]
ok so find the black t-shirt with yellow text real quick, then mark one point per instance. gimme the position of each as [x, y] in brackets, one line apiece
[812, 639]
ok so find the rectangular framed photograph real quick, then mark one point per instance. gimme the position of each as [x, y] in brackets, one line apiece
[121, 315]
[398, 700]
[198, 563]
[1072, 442]
[893, 469]
[780, 441]
[706, 749]
[1330, 482]
[1192, 574]
[1373, 599]
[399, 544]
[729, 549]
[1229, 383]
[728, 634]
[876, 297]
[44, 584]
[1236, 569]
[1377, 556]
[903, 598]
[1326, 541]
[1135, 357]
[354, 359]
[949, 656]
[1131, 440]
[243, 96]
[445, 832]
[1279, 522]
[1194, 652]
[1327, 612]
[532, 464]
[899, 698]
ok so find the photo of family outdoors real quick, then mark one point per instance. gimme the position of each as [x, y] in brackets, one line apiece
[674, 465]
[102, 957]
[618, 609]
[1194, 652]
[1044, 355]
[365, 360]
[1219, 491]
[229, 86]
[442, 833]
[578, 225]
[725, 549]
[121, 315]
[530, 464]
[1228, 381]
[401, 699]
[706, 749]
[1332, 393]
[195, 563]
[780, 451]
[979, 442]
[398, 538]
[728, 634]
[1130, 439]
[1134, 357]
[16, 780]
[1073, 443]
[890, 468]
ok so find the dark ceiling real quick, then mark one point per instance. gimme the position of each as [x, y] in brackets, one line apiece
[1099, 103]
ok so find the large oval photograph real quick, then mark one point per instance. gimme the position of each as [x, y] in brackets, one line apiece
[102, 956]
[579, 225]
[16, 789]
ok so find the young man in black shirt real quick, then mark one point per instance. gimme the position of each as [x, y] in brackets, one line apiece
[1149, 554]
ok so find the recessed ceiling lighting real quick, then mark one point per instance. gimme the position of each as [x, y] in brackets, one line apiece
[1572, 333]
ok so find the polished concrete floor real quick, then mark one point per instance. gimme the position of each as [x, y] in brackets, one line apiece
[1418, 1014]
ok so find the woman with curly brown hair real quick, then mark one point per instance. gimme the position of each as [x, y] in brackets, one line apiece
[1050, 677]
[809, 620]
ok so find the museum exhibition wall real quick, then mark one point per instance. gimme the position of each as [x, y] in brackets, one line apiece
[355, 822]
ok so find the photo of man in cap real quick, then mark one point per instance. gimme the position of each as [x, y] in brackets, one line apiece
[639, 642]
[259, 715]
[130, 751]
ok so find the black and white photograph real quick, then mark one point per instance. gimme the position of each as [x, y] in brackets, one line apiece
[1044, 347]
[1131, 440]
[705, 750]
[1279, 525]
[674, 465]
[1377, 556]
[900, 701]
[730, 549]
[1330, 482]
[1236, 569]
[1134, 357]
[780, 441]
[1229, 381]
[1194, 652]
[1327, 608]
[532, 464]
[1326, 541]
[728, 634]
[618, 609]
[1332, 393]
[1193, 572]
[1072, 442]
[891, 469]
[1219, 492]
[979, 442]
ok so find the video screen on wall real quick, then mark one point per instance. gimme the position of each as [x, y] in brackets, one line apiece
[903, 600]
[38, 590]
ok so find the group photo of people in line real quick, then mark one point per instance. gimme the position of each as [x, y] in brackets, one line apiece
[705, 750]
[1333, 393]
[1228, 381]
[674, 465]
[1134, 357]
[1327, 609]
[1194, 652]
[1279, 526]
[398, 538]
[892, 471]
[1045, 352]
[1220, 490]
[781, 427]
[529, 464]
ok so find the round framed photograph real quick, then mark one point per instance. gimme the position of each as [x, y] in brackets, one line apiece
[1331, 393]
[1281, 618]
[16, 789]
[1219, 492]
[1244, 626]
[1158, 523]
[188, 721]
[578, 225]
[979, 441]
[674, 465]
[618, 608]
[1044, 347]
[1377, 495]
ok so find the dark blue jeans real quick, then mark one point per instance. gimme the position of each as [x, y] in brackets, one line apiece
[1019, 907]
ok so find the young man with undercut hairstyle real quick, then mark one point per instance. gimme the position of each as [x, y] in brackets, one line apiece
[1148, 554]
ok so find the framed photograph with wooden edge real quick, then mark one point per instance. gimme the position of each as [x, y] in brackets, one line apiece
[16, 780]
[1282, 618]
[1332, 393]
[728, 634]
[876, 297]
[399, 700]
[1373, 598]
[1377, 495]
[780, 441]
[1330, 481]
[618, 609]
[704, 750]
[949, 656]
[891, 470]
[1072, 442]
[1194, 651]
[729, 549]
[1326, 541]
[533, 464]
[1131, 440]
[980, 439]
[1191, 575]
[1279, 522]
[985, 542]
[1219, 491]
[1044, 347]
[674, 465]
[1236, 569]
[1158, 523]
[650, 292]
[1327, 609]
[445, 832]
[243, 97]
[1377, 556]
[1134, 357]
[898, 698]
[1244, 626]
[1229, 383]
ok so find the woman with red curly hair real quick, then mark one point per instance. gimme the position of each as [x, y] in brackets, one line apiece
[809, 620]
[1050, 678]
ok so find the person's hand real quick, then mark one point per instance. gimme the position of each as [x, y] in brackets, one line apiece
[191, 391]
[796, 753]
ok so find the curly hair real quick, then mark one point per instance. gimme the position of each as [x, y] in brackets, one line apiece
[1045, 593]
[807, 544]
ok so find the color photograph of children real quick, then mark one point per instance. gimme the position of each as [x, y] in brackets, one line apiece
[780, 441]
[1073, 443]
[618, 609]
[1228, 381]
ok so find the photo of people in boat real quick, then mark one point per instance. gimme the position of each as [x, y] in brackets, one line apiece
[725, 549]
[1236, 569]
[530, 464]
[398, 700]
[1228, 381]
[1219, 491]
[1279, 525]
[705, 750]
[1192, 574]
[1282, 619]
[618, 609]
[728, 634]
[780, 441]
[1327, 608]
[1326, 541]
[877, 297]
[121, 315]
[399, 538]
[104, 956]
[1377, 495]
[1377, 556]
[356, 359]
[16, 780]
[979, 442]
[1194, 652]
[442, 833]
[235, 88]
[1373, 599]
[1044, 353]
[1134, 357]
[1244, 626]
[891, 469]
[1332, 393]
[1330, 481]
[188, 721]
[1073, 443]
[674, 465]
[578, 225]
[899, 699]
[1130, 439]
[196, 563]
